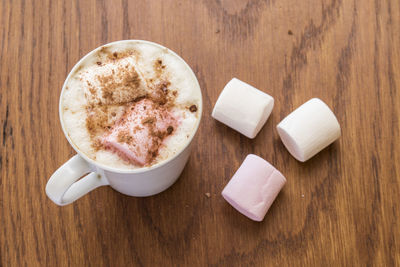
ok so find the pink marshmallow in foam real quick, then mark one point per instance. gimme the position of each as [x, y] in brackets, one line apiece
[254, 187]
[139, 134]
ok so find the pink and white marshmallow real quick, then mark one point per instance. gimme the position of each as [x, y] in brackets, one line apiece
[309, 129]
[139, 134]
[254, 187]
[243, 107]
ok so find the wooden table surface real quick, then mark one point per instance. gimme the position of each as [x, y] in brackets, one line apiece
[341, 208]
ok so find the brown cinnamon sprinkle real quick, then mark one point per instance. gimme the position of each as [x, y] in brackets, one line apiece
[97, 145]
[148, 120]
[152, 152]
[121, 88]
[106, 51]
[193, 108]
[92, 91]
[97, 120]
[158, 67]
[160, 93]
[125, 137]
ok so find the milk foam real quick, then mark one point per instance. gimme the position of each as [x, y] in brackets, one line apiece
[78, 95]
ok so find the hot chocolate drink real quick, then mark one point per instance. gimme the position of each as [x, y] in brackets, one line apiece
[130, 105]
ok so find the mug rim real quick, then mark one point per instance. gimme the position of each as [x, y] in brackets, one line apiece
[141, 169]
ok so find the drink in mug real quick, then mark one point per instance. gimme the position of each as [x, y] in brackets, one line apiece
[130, 109]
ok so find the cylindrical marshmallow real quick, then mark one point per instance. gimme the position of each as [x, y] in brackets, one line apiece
[243, 107]
[309, 129]
[254, 187]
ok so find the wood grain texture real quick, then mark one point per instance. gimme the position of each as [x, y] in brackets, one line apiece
[341, 208]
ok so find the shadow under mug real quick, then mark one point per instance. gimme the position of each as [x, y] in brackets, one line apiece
[67, 184]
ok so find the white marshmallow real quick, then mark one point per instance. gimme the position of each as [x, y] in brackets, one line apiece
[243, 107]
[309, 129]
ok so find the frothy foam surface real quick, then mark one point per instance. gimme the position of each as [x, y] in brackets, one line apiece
[131, 104]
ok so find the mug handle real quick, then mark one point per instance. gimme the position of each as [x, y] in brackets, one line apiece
[63, 186]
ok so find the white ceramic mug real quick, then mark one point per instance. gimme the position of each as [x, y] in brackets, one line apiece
[66, 184]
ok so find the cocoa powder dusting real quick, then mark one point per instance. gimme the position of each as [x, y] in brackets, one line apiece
[193, 108]
[170, 129]
[152, 151]
[125, 137]
[160, 93]
[92, 91]
[98, 120]
[158, 67]
[117, 55]
[121, 88]
[97, 145]
[148, 120]
[136, 129]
